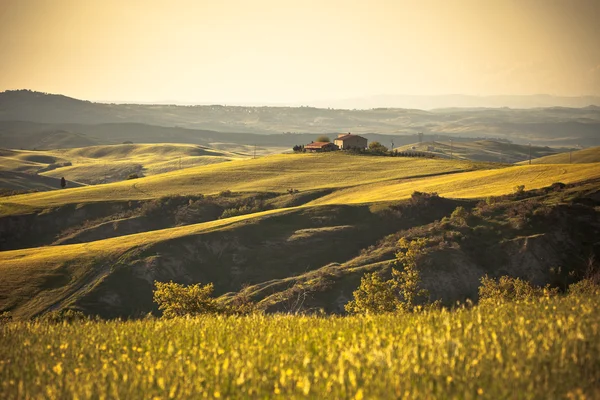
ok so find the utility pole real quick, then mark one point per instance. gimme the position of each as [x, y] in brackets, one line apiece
[392, 148]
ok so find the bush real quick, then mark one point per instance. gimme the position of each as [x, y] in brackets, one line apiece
[56, 317]
[460, 215]
[585, 287]
[323, 138]
[377, 147]
[403, 292]
[5, 317]
[176, 300]
[132, 176]
[511, 289]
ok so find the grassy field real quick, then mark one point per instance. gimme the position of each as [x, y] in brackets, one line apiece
[475, 184]
[481, 150]
[591, 155]
[275, 173]
[544, 349]
[109, 163]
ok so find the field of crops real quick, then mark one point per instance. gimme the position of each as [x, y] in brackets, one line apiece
[546, 349]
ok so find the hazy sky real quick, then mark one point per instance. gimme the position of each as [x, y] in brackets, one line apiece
[272, 51]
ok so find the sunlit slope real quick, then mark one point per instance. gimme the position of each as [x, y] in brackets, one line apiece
[591, 155]
[109, 163]
[276, 173]
[473, 184]
[481, 150]
[35, 278]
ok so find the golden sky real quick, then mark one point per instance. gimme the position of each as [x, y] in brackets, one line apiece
[288, 51]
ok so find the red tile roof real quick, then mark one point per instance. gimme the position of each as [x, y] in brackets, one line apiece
[317, 145]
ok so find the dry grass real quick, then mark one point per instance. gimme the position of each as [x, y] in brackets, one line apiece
[591, 155]
[475, 184]
[275, 173]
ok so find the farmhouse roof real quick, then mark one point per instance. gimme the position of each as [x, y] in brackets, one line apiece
[347, 136]
[317, 145]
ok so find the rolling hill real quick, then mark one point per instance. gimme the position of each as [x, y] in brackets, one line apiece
[482, 150]
[591, 155]
[321, 239]
[554, 126]
[110, 163]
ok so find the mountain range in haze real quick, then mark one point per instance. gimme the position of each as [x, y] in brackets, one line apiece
[552, 126]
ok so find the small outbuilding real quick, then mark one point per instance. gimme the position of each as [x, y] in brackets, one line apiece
[318, 147]
[348, 141]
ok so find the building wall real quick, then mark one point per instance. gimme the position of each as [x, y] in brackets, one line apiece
[352, 143]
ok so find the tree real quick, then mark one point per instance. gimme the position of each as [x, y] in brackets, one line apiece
[401, 293]
[323, 138]
[176, 300]
[63, 182]
[377, 147]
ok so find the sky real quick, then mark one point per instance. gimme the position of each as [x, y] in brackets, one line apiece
[290, 51]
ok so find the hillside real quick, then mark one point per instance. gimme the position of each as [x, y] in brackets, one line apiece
[99, 248]
[110, 163]
[482, 150]
[591, 155]
[548, 126]
[276, 173]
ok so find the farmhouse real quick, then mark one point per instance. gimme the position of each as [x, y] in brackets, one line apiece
[317, 147]
[348, 141]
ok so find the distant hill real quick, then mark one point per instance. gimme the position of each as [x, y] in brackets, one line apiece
[552, 126]
[110, 163]
[482, 150]
[591, 155]
[463, 101]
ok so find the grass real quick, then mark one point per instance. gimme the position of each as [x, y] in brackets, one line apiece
[591, 155]
[109, 163]
[544, 349]
[33, 279]
[482, 150]
[275, 173]
[475, 184]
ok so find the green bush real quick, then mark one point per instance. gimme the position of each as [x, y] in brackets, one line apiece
[176, 300]
[511, 289]
[403, 292]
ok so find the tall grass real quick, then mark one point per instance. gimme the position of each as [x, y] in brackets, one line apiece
[548, 348]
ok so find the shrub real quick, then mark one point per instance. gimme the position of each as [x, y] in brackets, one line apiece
[132, 176]
[519, 190]
[511, 289]
[323, 138]
[176, 300]
[403, 292]
[460, 215]
[585, 287]
[61, 316]
[225, 193]
[5, 317]
[373, 296]
[377, 147]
